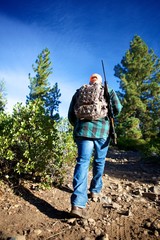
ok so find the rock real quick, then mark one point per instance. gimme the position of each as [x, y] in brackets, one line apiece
[157, 190]
[91, 222]
[128, 188]
[150, 195]
[119, 199]
[71, 221]
[151, 189]
[107, 200]
[37, 231]
[156, 224]
[82, 230]
[35, 187]
[125, 212]
[103, 237]
[156, 233]
[129, 198]
[116, 206]
[147, 224]
[112, 205]
[114, 186]
[137, 192]
[153, 227]
[120, 188]
[145, 232]
[97, 231]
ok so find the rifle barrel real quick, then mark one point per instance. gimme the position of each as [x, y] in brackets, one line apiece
[103, 71]
[111, 119]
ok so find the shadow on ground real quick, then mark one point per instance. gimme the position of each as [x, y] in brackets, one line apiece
[129, 165]
[40, 204]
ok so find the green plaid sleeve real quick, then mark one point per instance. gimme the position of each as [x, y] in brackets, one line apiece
[115, 102]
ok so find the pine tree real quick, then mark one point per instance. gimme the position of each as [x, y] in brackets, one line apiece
[139, 74]
[39, 84]
[40, 87]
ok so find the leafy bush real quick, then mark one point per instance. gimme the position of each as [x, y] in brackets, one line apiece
[152, 150]
[28, 142]
[34, 145]
[66, 142]
[131, 143]
[6, 154]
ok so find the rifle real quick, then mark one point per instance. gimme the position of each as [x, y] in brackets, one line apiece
[112, 132]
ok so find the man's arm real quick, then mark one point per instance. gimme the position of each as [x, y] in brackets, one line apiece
[115, 102]
[71, 114]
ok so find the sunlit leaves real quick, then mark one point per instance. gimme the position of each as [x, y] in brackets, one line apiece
[139, 73]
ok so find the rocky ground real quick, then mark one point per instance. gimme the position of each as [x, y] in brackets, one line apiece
[127, 209]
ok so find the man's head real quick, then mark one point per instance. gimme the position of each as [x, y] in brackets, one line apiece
[95, 78]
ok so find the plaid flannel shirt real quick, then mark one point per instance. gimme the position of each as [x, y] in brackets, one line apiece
[93, 129]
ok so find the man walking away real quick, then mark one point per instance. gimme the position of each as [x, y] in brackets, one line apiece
[88, 114]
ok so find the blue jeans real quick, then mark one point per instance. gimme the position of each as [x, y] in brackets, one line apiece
[80, 181]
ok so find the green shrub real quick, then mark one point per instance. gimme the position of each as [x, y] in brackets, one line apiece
[34, 145]
[28, 142]
[131, 143]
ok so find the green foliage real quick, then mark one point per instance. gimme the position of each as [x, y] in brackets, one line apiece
[34, 141]
[33, 134]
[139, 74]
[6, 153]
[65, 141]
[33, 144]
[40, 87]
[39, 84]
[152, 150]
[52, 101]
[130, 128]
[27, 143]
[131, 144]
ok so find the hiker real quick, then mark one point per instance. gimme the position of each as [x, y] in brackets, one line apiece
[91, 133]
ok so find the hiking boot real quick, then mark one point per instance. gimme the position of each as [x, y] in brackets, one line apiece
[78, 212]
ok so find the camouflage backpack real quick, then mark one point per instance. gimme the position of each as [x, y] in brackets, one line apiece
[90, 103]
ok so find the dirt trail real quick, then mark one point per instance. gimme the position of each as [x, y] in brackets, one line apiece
[128, 208]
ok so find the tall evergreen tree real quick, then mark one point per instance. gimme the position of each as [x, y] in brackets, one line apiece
[139, 74]
[39, 84]
[40, 87]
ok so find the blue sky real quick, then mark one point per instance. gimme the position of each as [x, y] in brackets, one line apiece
[78, 34]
